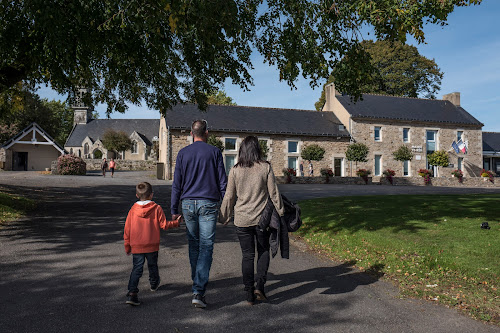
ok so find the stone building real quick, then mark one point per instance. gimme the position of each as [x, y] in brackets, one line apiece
[385, 123]
[285, 132]
[491, 151]
[32, 149]
[85, 138]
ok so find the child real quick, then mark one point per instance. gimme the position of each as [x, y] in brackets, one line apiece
[142, 239]
[112, 167]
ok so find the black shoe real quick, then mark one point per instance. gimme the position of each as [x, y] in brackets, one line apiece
[132, 299]
[199, 301]
[251, 296]
[260, 295]
[155, 288]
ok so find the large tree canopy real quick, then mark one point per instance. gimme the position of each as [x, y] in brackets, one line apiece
[166, 51]
[397, 69]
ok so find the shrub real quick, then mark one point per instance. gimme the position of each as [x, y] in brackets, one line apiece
[326, 172]
[71, 165]
[426, 174]
[357, 152]
[313, 153]
[389, 174]
[363, 173]
[458, 174]
[214, 141]
[289, 172]
[403, 153]
[487, 173]
[439, 158]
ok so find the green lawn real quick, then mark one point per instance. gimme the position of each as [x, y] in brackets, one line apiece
[432, 245]
[12, 206]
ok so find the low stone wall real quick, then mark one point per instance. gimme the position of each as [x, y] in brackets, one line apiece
[321, 180]
[443, 181]
[95, 164]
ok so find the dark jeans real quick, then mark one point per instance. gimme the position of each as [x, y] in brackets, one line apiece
[249, 237]
[138, 262]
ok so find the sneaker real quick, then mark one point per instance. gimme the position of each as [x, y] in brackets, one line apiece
[155, 288]
[132, 299]
[199, 301]
[260, 295]
[250, 296]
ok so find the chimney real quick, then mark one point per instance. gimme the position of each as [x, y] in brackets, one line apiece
[330, 93]
[454, 98]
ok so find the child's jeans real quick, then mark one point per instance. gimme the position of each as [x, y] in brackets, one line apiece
[135, 275]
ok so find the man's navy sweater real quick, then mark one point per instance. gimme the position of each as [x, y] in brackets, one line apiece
[199, 174]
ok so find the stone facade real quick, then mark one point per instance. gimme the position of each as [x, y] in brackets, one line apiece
[123, 165]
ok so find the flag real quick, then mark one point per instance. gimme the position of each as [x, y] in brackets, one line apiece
[455, 147]
[461, 146]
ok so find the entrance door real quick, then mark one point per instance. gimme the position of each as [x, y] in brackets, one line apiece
[337, 167]
[20, 161]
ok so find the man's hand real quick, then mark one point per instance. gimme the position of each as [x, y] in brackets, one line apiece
[177, 217]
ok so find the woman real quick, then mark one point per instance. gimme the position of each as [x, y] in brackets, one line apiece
[251, 183]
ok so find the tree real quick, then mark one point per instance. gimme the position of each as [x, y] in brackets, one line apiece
[216, 142]
[263, 148]
[116, 141]
[357, 152]
[397, 70]
[403, 153]
[313, 153]
[439, 158]
[163, 52]
[219, 98]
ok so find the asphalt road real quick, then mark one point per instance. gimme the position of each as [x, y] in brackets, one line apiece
[63, 269]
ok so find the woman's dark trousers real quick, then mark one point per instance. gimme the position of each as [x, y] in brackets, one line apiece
[249, 237]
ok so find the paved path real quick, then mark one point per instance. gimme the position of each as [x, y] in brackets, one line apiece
[63, 269]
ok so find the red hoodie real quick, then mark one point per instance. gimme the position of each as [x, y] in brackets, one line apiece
[142, 228]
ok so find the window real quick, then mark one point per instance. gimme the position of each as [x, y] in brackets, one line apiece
[431, 141]
[486, 164]
[406, 168]
[134, 147]
[460, 163]
[378, 159]
[406, 135]
[292, 163]
[293, 147]
[377, 134]
[459, 135]
[230, 144]
[86, 149]
[229, 161]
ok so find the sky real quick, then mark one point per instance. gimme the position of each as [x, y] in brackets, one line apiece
[467, 50]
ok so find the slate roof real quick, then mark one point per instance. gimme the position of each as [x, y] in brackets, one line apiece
[491, 141]
[258, 120]
[147, 128]
[407, 109]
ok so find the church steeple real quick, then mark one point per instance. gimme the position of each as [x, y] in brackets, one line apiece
[82, 112]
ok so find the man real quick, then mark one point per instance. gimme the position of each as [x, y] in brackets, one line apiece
[199, 184]
[301, 168]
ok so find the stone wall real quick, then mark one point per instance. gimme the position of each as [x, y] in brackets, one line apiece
[128, 165]
[442, 181]
[321, 180]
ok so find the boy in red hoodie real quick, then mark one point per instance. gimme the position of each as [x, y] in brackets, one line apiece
[142, 239]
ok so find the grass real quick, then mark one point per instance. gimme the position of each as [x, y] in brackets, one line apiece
[432, 246]
[13, 207]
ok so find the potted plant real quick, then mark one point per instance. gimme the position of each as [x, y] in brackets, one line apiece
[327, 173]
[363, 173]
[426, 174]
[289, 172]
[389, 174]
[458, 174]
[487, 174]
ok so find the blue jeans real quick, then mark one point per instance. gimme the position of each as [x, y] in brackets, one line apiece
[201, 220]
[138, 262]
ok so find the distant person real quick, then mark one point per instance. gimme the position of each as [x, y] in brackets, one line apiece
[104, 166]
[311, 170]
[301, 168]
[142, 239]
[251, 183]
[112, 167]
[199, 185]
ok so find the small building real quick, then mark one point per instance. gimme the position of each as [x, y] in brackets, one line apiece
[491, 151]
[384, 123]
[285, 133]
[32, 149]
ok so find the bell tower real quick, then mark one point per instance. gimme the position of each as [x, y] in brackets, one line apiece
[82, 112]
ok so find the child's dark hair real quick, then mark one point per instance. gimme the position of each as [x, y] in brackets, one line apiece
[144, 190]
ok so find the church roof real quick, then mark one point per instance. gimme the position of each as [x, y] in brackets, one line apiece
[491, 141]
[95, 129]
[258, 120]
[407, 109]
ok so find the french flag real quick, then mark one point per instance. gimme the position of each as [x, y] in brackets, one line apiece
[462, 146]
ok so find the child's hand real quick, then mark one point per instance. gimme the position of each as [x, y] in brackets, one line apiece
[128, 253]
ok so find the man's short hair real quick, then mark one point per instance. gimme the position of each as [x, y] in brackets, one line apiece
[144, 190]
[199, 127]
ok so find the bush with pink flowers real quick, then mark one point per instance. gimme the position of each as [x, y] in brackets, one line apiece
[71, 165]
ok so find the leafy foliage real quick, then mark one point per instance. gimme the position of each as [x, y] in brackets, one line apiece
[162, 53]
[397, 70]
[71, 165]
[439, 158]
[263, 148]
[357, 152]
[216, 142]
[403, 153]
[220, 98]
[116, 141]
[313, 153]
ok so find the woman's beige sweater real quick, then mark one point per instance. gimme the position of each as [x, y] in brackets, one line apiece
[247, 192]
